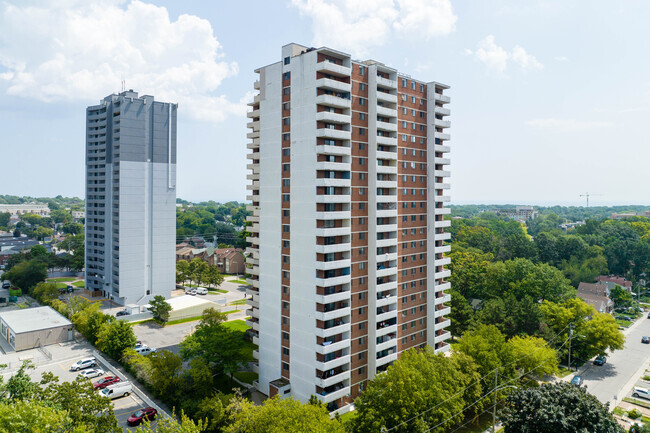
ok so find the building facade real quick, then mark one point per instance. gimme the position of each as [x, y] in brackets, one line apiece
[26, 208]
[131, 197]
[348, 187]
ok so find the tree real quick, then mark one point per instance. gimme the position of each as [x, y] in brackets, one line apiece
[281, 415]
[213, 410]
[621, 297]
[160, 309]
[533, 356]
[89, 321]
[25, 275]
[198, 270]
[45, 292]
[165, 378]
[182, 271]
[33, 417]
[557, 408]
[115, 337]
[220, 347]
[594, 333]
[462, 314]
[420, 392]
[166, 424]
[4, 219]
[213, 277]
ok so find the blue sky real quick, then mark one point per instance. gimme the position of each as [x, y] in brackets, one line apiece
[550, 99]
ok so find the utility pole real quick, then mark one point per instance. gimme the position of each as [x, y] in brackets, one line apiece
[570, 335]
[494, 405]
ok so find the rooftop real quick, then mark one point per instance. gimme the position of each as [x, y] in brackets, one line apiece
[34, 319]
[186, 301]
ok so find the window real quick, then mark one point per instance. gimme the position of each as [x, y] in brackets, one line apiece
[362, 206]
[362, 354]
[285, 335]
[286, 151]
[362, 176]
[285, 167]
[404, 97]
[362, 340]
[286, 182]
[362, 70]
[285, 136]
[362, 266]
[362, 295]
[362, 161]
[422, 114]
[362, 116]
[403, 137]
[421, 101]
[286, 91]
[404, 123]
[403, 82]
[362, 146]
[362, 131]
[413, 99]
[285, 228]
[421, 87]
[362, 221]
[285, 351]
[413, 138]
[286, 121]
[285, 366]
[285, 213]
[286, 105]
[362, 86]
[362, 191]
[362, 236]
[285, 244]
[362, 101]
[362, 325]
[404, 110]
[287, 60]
[287, 75]
[362, 310]
[413, 85]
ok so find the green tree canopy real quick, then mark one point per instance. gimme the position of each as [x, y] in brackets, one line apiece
[160, 309]
[115, 337]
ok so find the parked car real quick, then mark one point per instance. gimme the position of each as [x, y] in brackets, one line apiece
[106, 381]
[92, 372]
[120, 389]
[70, 289]
[645, 340]
[201, 291]
[641, 392]
[6, 285]
[600, 360]
[577, 380]
[84, 363]
[648, 315]
[139, 344]
[144, 350]
[190, 291]
[122, 313]
[148, 413]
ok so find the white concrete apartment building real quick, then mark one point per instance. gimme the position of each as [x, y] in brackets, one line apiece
[131, 197]
[26, 208]
[348, 168]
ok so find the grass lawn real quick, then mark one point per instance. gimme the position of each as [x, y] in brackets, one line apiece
[237, 325]
[185, 320]
[562, 372]
[217, 291]
[238, 302]
[238, 282]
[230, 311]
[81, 284]
[637, 402]
[349, 416]
[61, 285]
[246, 376]
[140, 322]
[61, 280]
[624, 323]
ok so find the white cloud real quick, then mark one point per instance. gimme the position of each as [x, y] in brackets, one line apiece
[81, 51]
[561, 59]
[567, 125]
[496, 58]
[525, 60]
[357, 25]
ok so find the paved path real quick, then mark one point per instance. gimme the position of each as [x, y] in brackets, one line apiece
[614, 380]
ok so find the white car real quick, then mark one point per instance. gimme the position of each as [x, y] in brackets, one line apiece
[84, 363]
[144, 350]
[201, 291]
[190, 291]
[641, 392]
[93, 372]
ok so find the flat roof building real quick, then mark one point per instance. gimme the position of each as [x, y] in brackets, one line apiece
[34, 327]
[349, 184]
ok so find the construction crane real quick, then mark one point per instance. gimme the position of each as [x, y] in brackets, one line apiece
[587, 195]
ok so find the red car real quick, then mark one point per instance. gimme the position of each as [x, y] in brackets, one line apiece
[104, 382]
[148, 413]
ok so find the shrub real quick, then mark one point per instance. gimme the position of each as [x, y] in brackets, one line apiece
[633, 414]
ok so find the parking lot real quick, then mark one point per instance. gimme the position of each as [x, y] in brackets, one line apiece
[123, 406]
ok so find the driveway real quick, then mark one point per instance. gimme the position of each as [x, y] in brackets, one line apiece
[614, 380]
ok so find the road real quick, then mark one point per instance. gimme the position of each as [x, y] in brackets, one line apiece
[614, 380]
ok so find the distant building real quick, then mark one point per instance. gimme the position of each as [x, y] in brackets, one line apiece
[567, 226]
[611, 281]
[618, 216]
[597, 296]
[78, 214]
[519, 213]
[26, 208]
[130, 197]
[227, 260]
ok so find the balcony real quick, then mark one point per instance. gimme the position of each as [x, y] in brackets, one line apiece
[386, 316]
[333, 101]
[334, 264]
[338, 198]
[334, 215]
[334, 297]
[442, 299]
[253, 114]
[328, 181]
[443, 161]
[390, 343]
[333, 69]
[392, 329]
[441, 313]
[442, 349]
[333, 396]
[333, 380]
[386, 97]
[441, 211]
[442, 98]
[337, 134]
[385, 82]
[336, 362]
[441, 236]
[443, 136]
[381, 154]
[445, 336]
[386, 213]
[386, 242]
[387, 126]
[334, 231]
[441, 148]
[387, 300]
[255, 134]
[442, 325]
[337, 86]
[334, 330]
[438, 123]
[443, 286]
[387, 141]
[333, 166]
[386, 184]
[334, 314]
[334, 281]
[442, 274]
[386, 359]
[335, 248]
[256, 85]
[387, 169]
[441, 110]
[386, 198]
[384, 111]
[441, 173]
[386, 272]
[327, 116]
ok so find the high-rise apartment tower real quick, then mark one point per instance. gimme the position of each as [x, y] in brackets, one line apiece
[131, 197]
[348, 187]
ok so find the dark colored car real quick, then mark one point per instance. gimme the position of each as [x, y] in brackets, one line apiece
[6, 285]
[577, 380]
[645, 340]
[70, 289]
[148, 413]
[648, 315]
[600, 360]
[122, 313]
[106, 381]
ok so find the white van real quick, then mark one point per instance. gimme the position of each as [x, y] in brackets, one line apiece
[201, 291]
[118, 390]
[144, 350]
